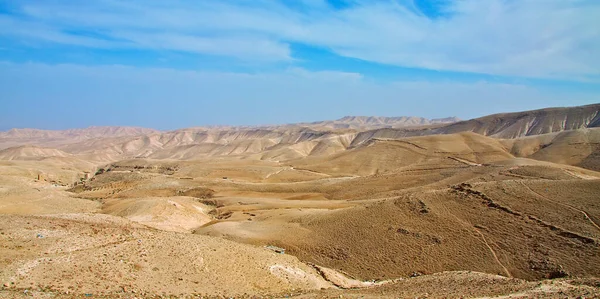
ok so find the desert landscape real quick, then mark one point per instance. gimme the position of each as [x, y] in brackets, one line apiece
[502, 206]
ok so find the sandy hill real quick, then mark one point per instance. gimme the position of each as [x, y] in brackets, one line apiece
[91, 132]
[29, 152]
[381, 155]
[50, 138]
[197, 143]
[536, 122]
[291, 141]
[505, 125]
[504, 206]
[577, 147]
[450, 230]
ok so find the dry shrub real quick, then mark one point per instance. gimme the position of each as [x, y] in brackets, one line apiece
[79, 189]
[199, 192]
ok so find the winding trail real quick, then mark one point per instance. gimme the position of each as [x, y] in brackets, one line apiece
[564, 205]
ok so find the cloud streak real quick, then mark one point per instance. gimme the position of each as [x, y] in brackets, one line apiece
[67, 96]
[524, 38]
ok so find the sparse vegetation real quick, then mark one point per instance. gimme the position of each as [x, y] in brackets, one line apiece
[446, 214]
[79, 188]
[198, 192]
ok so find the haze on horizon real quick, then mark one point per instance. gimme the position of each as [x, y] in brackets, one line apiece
[67, 64]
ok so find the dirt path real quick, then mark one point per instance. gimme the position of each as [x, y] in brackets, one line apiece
[464, 161]
[564, 205]
[544, 289]
[278, 172]
[493, 253]
[580, 176]
[309, 171]
[485, 242]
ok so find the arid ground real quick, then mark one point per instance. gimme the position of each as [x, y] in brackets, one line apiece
[505, 206]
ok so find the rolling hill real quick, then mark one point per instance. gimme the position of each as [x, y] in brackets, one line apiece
[286, 142]
[362, 207]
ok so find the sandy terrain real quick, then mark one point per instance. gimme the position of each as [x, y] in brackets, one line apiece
[357, 207]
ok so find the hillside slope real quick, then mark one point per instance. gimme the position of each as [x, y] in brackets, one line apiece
[505, 125]
[289, 142]
[536, 122]
[30, 153]
[578, 147]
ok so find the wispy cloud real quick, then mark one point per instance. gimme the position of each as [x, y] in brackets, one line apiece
[527, 38]
[78, 96]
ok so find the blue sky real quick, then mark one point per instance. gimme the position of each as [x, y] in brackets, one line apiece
[174, 64]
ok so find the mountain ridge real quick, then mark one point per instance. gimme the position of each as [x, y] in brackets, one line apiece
[281, 143]
[348, 207]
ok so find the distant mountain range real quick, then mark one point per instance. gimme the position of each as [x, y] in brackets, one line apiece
[87, 133]
[283, 142]
[372, 122]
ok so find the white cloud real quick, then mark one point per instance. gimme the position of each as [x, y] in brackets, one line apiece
[246, 47]
[529, 38]
[525, 38]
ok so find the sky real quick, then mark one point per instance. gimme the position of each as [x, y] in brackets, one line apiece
[184, 63]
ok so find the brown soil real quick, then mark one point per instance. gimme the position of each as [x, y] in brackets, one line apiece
[203, 213]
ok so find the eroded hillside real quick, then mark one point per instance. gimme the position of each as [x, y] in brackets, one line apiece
[306, 212]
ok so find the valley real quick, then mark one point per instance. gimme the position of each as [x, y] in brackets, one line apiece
[503, 205]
